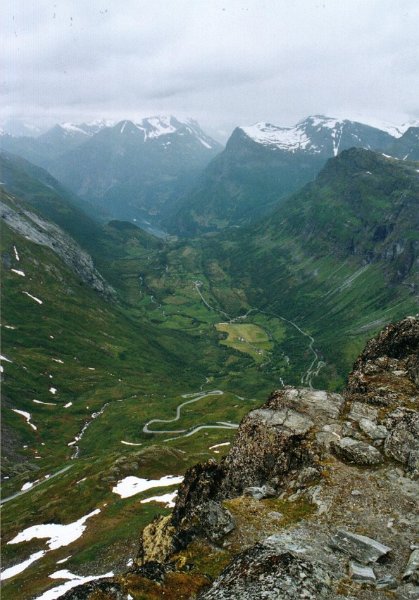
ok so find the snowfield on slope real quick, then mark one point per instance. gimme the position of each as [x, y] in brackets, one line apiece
[129, 486]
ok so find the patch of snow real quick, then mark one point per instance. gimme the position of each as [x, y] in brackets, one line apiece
[27, 417]
[33, 297]
[204, 143]
[130, 562]
[5, 358]
[63, 560]
[91, 369]
[320, 122]
[219, 445]
[71, 128]
[26, 486]
[51, 337]
[16, 569]
[88, 129]
[58, 360]
[46, 403]
[74, 581]
[388, 156]
[16, 253]
[161, 125]
[21, 273]
[57, 535]
[130, 443]
[167, 499]
[395, 131]
[129, 486]
[68, 405]
[9, 327]
[53, 390]
[280, 137]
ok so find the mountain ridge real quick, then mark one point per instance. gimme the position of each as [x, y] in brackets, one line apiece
[263, 164]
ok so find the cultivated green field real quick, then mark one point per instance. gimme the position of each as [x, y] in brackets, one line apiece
[248, 338]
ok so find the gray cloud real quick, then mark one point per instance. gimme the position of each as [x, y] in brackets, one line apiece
[224, 62]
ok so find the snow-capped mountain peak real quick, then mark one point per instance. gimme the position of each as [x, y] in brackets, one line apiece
[283, 138]
[88, 129]
[319, 134]
[157, 126]
[395, 130]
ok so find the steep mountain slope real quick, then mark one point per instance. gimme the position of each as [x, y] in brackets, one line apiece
[263, 163]
[56, 308]
[406, 146]
[49, 198]
[314, 499]
[335, 261]
[341, 253]
[83, 381]
[138, 170]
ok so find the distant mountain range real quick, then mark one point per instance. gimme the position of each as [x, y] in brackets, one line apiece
[129, 170]
[263, 163]
[165, 173]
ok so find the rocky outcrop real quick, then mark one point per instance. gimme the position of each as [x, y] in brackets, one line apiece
[101, 590]
[273, 570]
[317, 496]
[386, 373]
[45, 233]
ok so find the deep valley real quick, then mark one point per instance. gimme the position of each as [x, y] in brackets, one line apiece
[129, 358]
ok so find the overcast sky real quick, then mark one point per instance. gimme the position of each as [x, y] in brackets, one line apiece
[223, 62]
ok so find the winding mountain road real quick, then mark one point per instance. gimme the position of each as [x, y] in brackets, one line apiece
[195, 398]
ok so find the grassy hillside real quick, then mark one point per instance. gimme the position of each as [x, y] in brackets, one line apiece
[198, 333]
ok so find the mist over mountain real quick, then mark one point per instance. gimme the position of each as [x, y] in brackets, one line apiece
[127, 170]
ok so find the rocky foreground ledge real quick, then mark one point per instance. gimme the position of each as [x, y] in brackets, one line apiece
[316, 499]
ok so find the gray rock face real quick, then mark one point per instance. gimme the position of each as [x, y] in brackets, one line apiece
[357, 452]
[360, 547]
[263, 451]
[412, 568]
[378, 374]
[216, 520]
[407, 592]
[316, 404]
[359, 411]
[306, 447]
[265, 491]
[386, 583]
[271, 573]
[361, 573]
[47, 234]
[402, 444]
[372, 430]
[101, 589]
